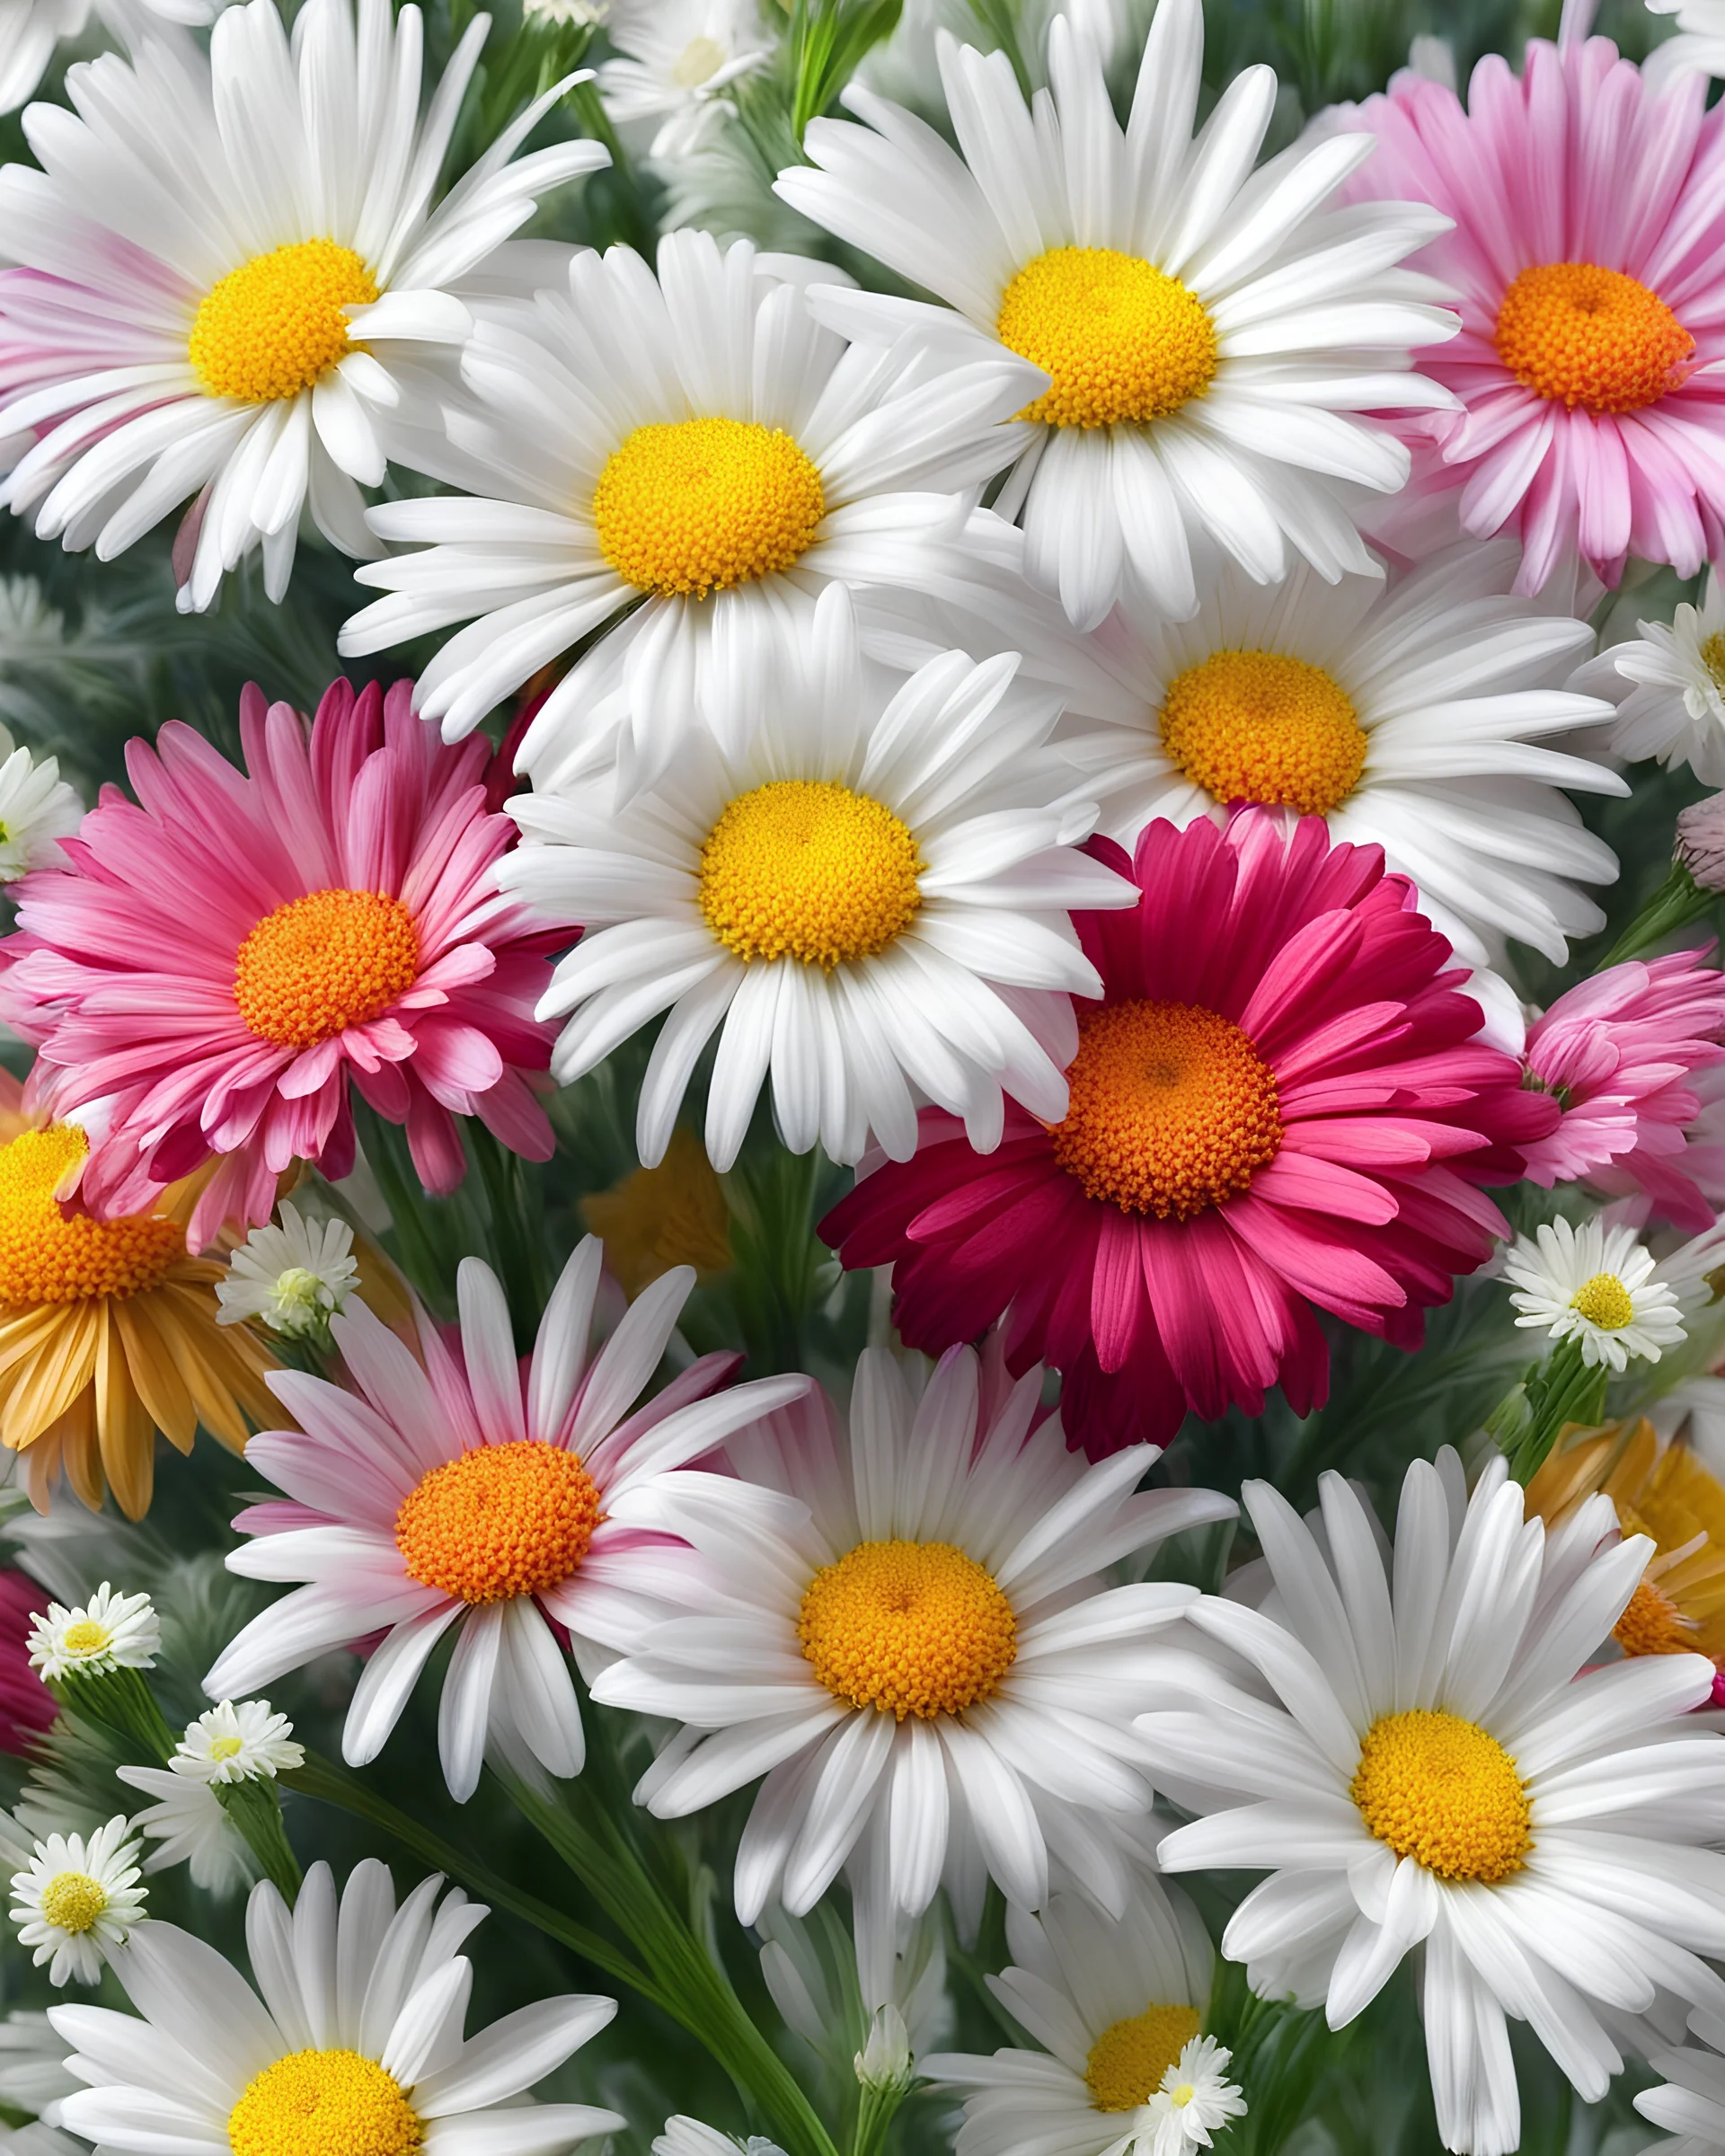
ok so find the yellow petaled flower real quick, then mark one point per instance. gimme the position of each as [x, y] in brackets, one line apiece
[658, 1218]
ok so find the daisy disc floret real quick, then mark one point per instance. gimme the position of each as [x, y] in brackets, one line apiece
[293, 1275]
[1595, 1285]
[109, 1631]
[77, 1900]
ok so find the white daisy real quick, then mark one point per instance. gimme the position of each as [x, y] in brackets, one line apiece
[687, 2137]
[1195, 2100]
[366, 2019]
[30, 30]
[231, 256]
[464, 1495]
[189, 1824]
[908, 1634]
[77, 1899]
[32, 2065]
[293, 1274]
[697, 441]
[1204, 328]
[109, 1631]
[1597, 1285]
[862, 886]
[1407, 1746]
[237, 1742]
[1690, 2102]
[37, 809]
[1668, 684]
[678, 57]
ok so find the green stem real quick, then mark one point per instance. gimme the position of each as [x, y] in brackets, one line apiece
[1566, 1391]
[875, 2113]
[1678, 901]
[255, 1810]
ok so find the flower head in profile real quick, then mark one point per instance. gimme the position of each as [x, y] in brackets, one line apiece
[109, 1631]
[77, 1900]
[37, 809]
[1597, 1285]
[186, 1822]
[293, 1275]
[1667, 682]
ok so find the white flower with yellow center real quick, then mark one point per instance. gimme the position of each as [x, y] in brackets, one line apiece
[237, 1742]
[1596, 1284]
[1206, 332]
[1668, 684]
[352, 2044]
[77, 1899]
[1195, 2100]
[294, 1274]
[37, 809]
[228, 262]
[109, 1631]
[863, 888]
[909, 1634]
[1420, 1751]
[678, 57]
[693, 447]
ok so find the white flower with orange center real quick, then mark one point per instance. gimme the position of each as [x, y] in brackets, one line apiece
[226, 265]
[461, 1494]
[930, 1670]
[77, 1900]
[1206, 334]
[1418, 1749]
[1599, 1285]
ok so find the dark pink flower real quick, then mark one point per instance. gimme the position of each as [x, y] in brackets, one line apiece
[26, 1705]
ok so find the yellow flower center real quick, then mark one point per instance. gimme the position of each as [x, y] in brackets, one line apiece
[322, 963]
[46, 1258]
[1258, 726]
[1445, 1792]
[85, 1638]
[500, 1521]
[226, 1747]
[698, 62]
[805, 869]
[908, 1627]
[1171, 1110]
[1591, 337]
[695, 505]
[1713, 656]
[279, 323]
[72, 1900]
[1604, 1301]
[1127, 2061]
[324, 2103]
[1653, 1624]
[1122, 340]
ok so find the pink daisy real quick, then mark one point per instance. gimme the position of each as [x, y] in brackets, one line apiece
[1589, 213]
[1622, 1055]
[223, 958]
[1282, 1101]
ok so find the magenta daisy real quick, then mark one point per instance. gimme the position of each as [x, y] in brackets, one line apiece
[1282, 1101]
[224, 958]
[1592, 407]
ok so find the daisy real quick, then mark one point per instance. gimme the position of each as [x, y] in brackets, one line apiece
[469, 1496]
[1411, 1747]
[677, 59]
[219, 964]
[188, 1824]
[225, 265]
[1283, 1101]
[1595, 1284]
[364, 2023]
[237, 1742]
[1196, 2100]
[860, 884]
[1589, 414]
[907, 1631]
[1668, 684]
[37, 809]
[30, 30]
[694, 448]
[293, 1275]
[109, 1631]
[1206, 334]
[76, 1901]
[1690, 2102]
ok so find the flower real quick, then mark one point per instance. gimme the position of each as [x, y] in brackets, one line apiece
[1203, 332]
[1668, 684]
[377, 2036]
[906, 1630]
[1690, 2101]
[293, 1277]
[463, 1493]
[1595, 1285]
[190, 1825]
[37, 809]
[693, 448]
[226, 264]
[1414, 1752]
[221, 962]
[660, 1218]
[687, 2137]
[1195, 2099]
[1619, 1053]
[32, 2065]
[26, 1708]
[1588, 414]
[30, 30]
[1700, 841]
[1283, 1101]
[678, 57]
[108, 1332]
[862, 885]
[109, 1631]
[242, 1743]
[77, 1899]
[885, 2062]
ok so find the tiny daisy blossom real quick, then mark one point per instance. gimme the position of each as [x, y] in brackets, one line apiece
[692, 452]
[1595, 1284]
[237, 1742]
[37, 809]
[1690, 2101]
[109, 1631]
[188, 1824]
[460, 1492]
[678, 59]
[1196, 2100]
[359, 2010]
[294, 1274]
[1415, 1747]
[225, 266]
[77, 1900]
[862, 885]
[906, 1631]
[1668, 684]
[1207, 334]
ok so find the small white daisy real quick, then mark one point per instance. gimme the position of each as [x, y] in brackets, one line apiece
[1690, 2102]
[189, 1824]
[37, 809]
[1206, 332]
[1596, 1284]
[1668, 684]
[243, 1740]
[294, 1274]
[77, 1898]
[32, 2065]
[678, 57]
[1196, 2100]
[109, 1631]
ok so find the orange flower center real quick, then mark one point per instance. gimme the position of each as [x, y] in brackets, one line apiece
[1260, 726]
[1653, 1624]
[1594, 337]
[322, 963]
[498, 1522]
[46, 1258]
[1171, 1110]
[908, 1627]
